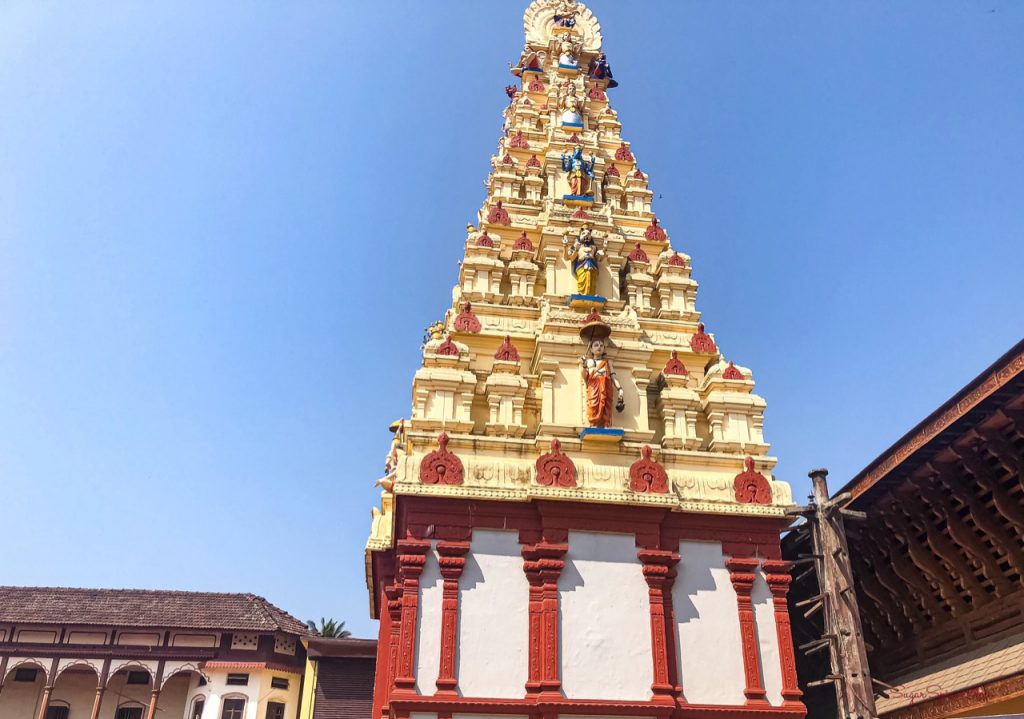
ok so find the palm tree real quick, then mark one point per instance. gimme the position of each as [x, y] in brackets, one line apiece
[329, 628]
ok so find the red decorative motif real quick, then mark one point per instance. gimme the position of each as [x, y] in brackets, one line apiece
[580, 214]
[612, 171]
[574, 139]
[654, 232]
[596, 93]
[441, 466]
[639, 175]
[533, 161]
[554, 469]
[484, 240]
[638, 254]
[518, 141]
[466, 321]
[447, 348]
[623, 153]
[542, 564]
[646, 475]
[523, 243]
[674, 366]
[498, 215]
[535, 85]
[731, 372]
[702, 343]
[507, 160]
[676, 260]
[751, 486]
[507, 352]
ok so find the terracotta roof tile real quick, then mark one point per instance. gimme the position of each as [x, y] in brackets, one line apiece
[144, 608]
[985, 664]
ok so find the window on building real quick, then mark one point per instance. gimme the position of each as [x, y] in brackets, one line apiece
[25, 674]
[202, 680]
[129, 713]
[197, 709]
[57, 712]
[238, 680]
[275, 710]
[137, 678]
[232, 709]
[279, 682]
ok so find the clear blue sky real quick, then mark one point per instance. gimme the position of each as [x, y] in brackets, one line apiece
[223, 227]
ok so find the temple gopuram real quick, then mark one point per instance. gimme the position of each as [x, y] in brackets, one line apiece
[578, 516]
[937, 564]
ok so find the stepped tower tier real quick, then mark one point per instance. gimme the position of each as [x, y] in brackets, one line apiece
[578, 516]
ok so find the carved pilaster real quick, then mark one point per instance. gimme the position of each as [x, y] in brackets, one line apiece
[777, 576]
[659, 567]
[412, 557]
[543, 565]
[741, 573]
[452, 559]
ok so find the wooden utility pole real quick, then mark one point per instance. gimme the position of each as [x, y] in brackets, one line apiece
[837, 601]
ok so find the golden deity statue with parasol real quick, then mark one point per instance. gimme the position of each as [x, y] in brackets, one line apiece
[598, 374]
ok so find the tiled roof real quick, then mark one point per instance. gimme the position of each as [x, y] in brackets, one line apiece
[144, 608]
[985, 664]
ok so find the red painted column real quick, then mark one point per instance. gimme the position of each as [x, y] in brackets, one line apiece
[543, 565]
[659, 567]
[412, 556]
[531, 566]
[741, 572]
[777, 576]
[387, 648]
[451, 558]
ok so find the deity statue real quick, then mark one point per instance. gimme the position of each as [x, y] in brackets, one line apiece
[391, 461]
[569, 101]
[565, 14]
[598, 374]
[601, 70]
[569, 50]
[581, 172]
[530, 60]
[584, 254]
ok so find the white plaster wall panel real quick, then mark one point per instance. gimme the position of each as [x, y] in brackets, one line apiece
[604, 618]
[428, 625]
[767, 639]
[86, 638]
[494, 631]
[135, 639]
[20, 699]
[76, 689]
[43, 636]
[708, 640]
[194, 640]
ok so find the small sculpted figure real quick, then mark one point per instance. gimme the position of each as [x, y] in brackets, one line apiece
[584, 255]
[565, 14]
[581, 172]
[530, 60]
[569, 101]
[601, 70]
[600, 379]
[569, 50]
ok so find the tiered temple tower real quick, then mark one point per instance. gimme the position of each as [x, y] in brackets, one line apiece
[578, 517]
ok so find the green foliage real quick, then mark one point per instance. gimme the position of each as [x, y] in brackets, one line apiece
[329, 628]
